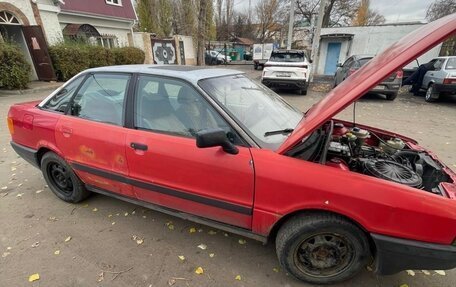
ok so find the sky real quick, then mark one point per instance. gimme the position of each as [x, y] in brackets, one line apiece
[392, 10]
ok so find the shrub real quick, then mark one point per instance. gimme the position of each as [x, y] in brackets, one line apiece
[70, 58]
[14, 69]
[128, 55]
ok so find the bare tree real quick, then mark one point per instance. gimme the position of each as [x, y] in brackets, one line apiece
[337, 12]
[267, 14]
[440, 8]
[202, 29]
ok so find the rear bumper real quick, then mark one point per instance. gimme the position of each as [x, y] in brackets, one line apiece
[387, 88]
[395, 254]
[29, 154]
[285, 83]
[441, 88]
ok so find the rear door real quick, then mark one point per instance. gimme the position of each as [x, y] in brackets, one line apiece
[91, 135]
[168, 169]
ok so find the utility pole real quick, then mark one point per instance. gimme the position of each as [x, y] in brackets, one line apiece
[316, 39]
[291, 24]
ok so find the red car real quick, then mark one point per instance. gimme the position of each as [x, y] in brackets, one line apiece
[213, 146]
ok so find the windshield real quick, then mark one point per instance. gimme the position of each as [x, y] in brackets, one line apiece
[451, 64]
[287, 57]
[256, 109]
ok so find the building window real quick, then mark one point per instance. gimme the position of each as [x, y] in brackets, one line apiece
[114, 2]
[107, 41]
[8, 18]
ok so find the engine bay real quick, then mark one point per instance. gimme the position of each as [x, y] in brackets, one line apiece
[359, 150]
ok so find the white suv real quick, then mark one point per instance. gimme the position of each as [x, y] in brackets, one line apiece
[287, 69]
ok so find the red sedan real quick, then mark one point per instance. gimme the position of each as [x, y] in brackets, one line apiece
[213, 146]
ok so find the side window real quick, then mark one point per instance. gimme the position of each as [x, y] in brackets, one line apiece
[101, 98]
[59, 101]
[438, 64]
[175, 108]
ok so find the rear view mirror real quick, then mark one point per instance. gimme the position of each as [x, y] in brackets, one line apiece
[213, 138]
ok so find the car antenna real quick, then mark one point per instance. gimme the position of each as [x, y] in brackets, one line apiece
[354, 113]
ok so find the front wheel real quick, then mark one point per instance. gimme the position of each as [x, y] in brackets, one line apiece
[322, 248]
[391, 97]
[61, 179]
[431, 95]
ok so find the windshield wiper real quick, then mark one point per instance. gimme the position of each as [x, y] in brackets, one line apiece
[278, 132]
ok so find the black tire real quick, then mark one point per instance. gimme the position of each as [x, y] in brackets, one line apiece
[431, 95]
[391, 97]
[307, 247]
[255, 66]
[302, 91]
[61, 179]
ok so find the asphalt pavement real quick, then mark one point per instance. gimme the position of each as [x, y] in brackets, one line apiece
[107, 242]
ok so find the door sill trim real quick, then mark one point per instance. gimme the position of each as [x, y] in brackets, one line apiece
[183, 215]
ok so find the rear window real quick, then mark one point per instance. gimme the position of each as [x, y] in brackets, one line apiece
[364, 61]
[287, 57]
[451, 64]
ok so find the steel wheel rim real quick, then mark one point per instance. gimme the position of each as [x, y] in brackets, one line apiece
[324, 254]
[60, 178]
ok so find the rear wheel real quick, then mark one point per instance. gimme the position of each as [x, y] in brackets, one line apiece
[431, 94]
[322, 248]
[61, 179]
[302, 91]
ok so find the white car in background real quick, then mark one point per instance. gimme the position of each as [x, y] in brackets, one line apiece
[288, 69]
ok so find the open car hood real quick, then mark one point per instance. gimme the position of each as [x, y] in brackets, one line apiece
[380, 67]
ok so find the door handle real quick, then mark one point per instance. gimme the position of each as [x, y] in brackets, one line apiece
[138, 146]
[66, 131]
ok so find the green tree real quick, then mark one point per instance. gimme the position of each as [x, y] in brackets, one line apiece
[165, 11]
[145, 22]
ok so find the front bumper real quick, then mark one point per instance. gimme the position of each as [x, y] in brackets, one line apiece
[284, 83]
[395, 255]
[441, 88]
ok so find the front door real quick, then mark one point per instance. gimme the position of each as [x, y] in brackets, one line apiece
[167, 168]
[332, 58]
[91, 135]
[38, 49]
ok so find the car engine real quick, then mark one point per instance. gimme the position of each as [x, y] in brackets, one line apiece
[359, 150]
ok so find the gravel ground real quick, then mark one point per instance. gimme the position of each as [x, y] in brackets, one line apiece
[107, 242]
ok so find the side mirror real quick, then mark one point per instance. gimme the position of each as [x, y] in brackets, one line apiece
[310, 61]
[339, 65]
[213, 138]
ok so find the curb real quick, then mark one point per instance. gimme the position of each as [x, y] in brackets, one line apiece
[50, 87]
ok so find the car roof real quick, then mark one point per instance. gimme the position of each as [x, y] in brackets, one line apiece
[190, 73]
[359, 57]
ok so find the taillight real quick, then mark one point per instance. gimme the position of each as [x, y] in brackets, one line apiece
[351, 71]
[449, 81]
[10, 125]
[399, 74]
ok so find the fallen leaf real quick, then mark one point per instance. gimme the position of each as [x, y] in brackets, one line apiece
[211, 255]
[39, 191]
[36, 244]
[242, 241]
[199, 271]
[34, 277]
[133, 212]
[126, 214]
[192, 230]
[5, 254]
[20, 184]
[200, 230]
[109, 215]
[112, 223]
[4, 187]
[52, 218]
[138, 239]
[410, 272]
[144, 216]
[275, 269]
[225, 234]
[425, 272]
[68, 239]
[404, 285]
[13, 168]
[20, 195]
[9, 248]
[212, 232]
[86, 205]
[95, 209]
[171, 282]
[181, 257]
[202, 246]
[440, 272]
[238, 277]
[57, 252]
[100, 277]
[369, 268]
[171, 227]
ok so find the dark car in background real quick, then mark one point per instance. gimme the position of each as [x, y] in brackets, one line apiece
[389, 87]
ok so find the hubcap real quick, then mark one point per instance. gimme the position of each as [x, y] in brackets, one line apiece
[324, 254]
[60, 178]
